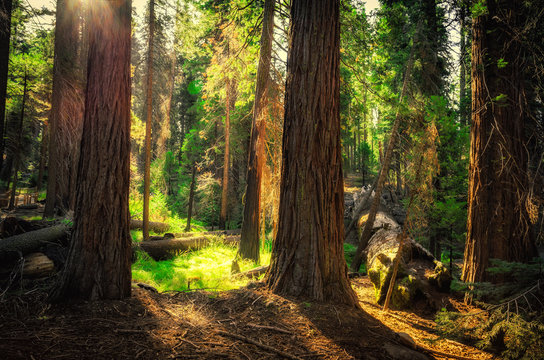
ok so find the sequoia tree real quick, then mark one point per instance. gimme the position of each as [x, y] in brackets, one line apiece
[249, 241]
[98, 265]
[498, 222]
[66, 116]
[307, 255]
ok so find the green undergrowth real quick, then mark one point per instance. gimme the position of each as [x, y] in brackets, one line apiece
[208, 268]
[349, 254]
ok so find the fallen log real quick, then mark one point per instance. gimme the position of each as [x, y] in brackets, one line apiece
[31, 241]
[27, 207]
[167, 248]
[217, 232]
[38, 265]
[253, 272]
[157, 227]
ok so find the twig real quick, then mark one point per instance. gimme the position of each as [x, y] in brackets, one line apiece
[271, 328]
[258, 344]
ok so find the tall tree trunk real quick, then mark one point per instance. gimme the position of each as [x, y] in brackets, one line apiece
[43, 154]
[307, 255]
[66, 109]
[191, 198]
[498, 223]
[225, 185]
[384, 170]
[149, 118]
[17, 154]
[5, 36]
[98, 265]
[249, 241]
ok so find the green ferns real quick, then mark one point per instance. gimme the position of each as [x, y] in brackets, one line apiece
[513, 326]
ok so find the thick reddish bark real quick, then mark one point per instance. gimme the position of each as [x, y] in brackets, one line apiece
[149, 118]
[498, 223]
[5, 36]
[98, 265]
[66, 116]
[249, 242]
[307, 256]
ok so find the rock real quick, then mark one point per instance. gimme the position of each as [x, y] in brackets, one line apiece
[406, 340]
[399, 352]
[417, 269]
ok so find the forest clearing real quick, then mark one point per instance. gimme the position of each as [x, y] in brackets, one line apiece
[268, 179]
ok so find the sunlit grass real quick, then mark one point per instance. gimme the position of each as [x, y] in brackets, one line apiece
[207, 268]
[159, 212]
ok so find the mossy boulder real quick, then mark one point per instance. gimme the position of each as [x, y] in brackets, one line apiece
[441, 277]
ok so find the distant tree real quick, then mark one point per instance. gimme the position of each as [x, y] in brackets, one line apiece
[17, 152]
[98, 265]
[149, 118]
[498, 222]
[66, 117]
[307, 255]
[226, 161]
[249, 241]
[5, 36]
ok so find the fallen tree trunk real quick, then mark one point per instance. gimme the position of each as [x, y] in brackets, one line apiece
[38, 265]
[253, 272]
[33, 240]
[218, 233]
[167, 248]
[157, 227]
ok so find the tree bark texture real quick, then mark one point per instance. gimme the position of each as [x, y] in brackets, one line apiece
[5, 36]
[98, 265]
[380, 182]
[225, 185]
[498, 222]
[149, 118]
[307, 255]
[249, 242]
[66, 117]
[43, 154]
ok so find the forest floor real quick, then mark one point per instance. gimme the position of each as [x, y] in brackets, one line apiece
[214, 325]
[247, 323]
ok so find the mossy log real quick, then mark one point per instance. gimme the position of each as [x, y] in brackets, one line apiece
[31, 241]
[417, 268]
[167, 248]
[157, 227]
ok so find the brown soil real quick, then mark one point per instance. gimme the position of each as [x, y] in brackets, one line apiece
[208, 325]
[204, 325]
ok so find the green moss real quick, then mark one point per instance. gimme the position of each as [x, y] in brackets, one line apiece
[441, 278]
